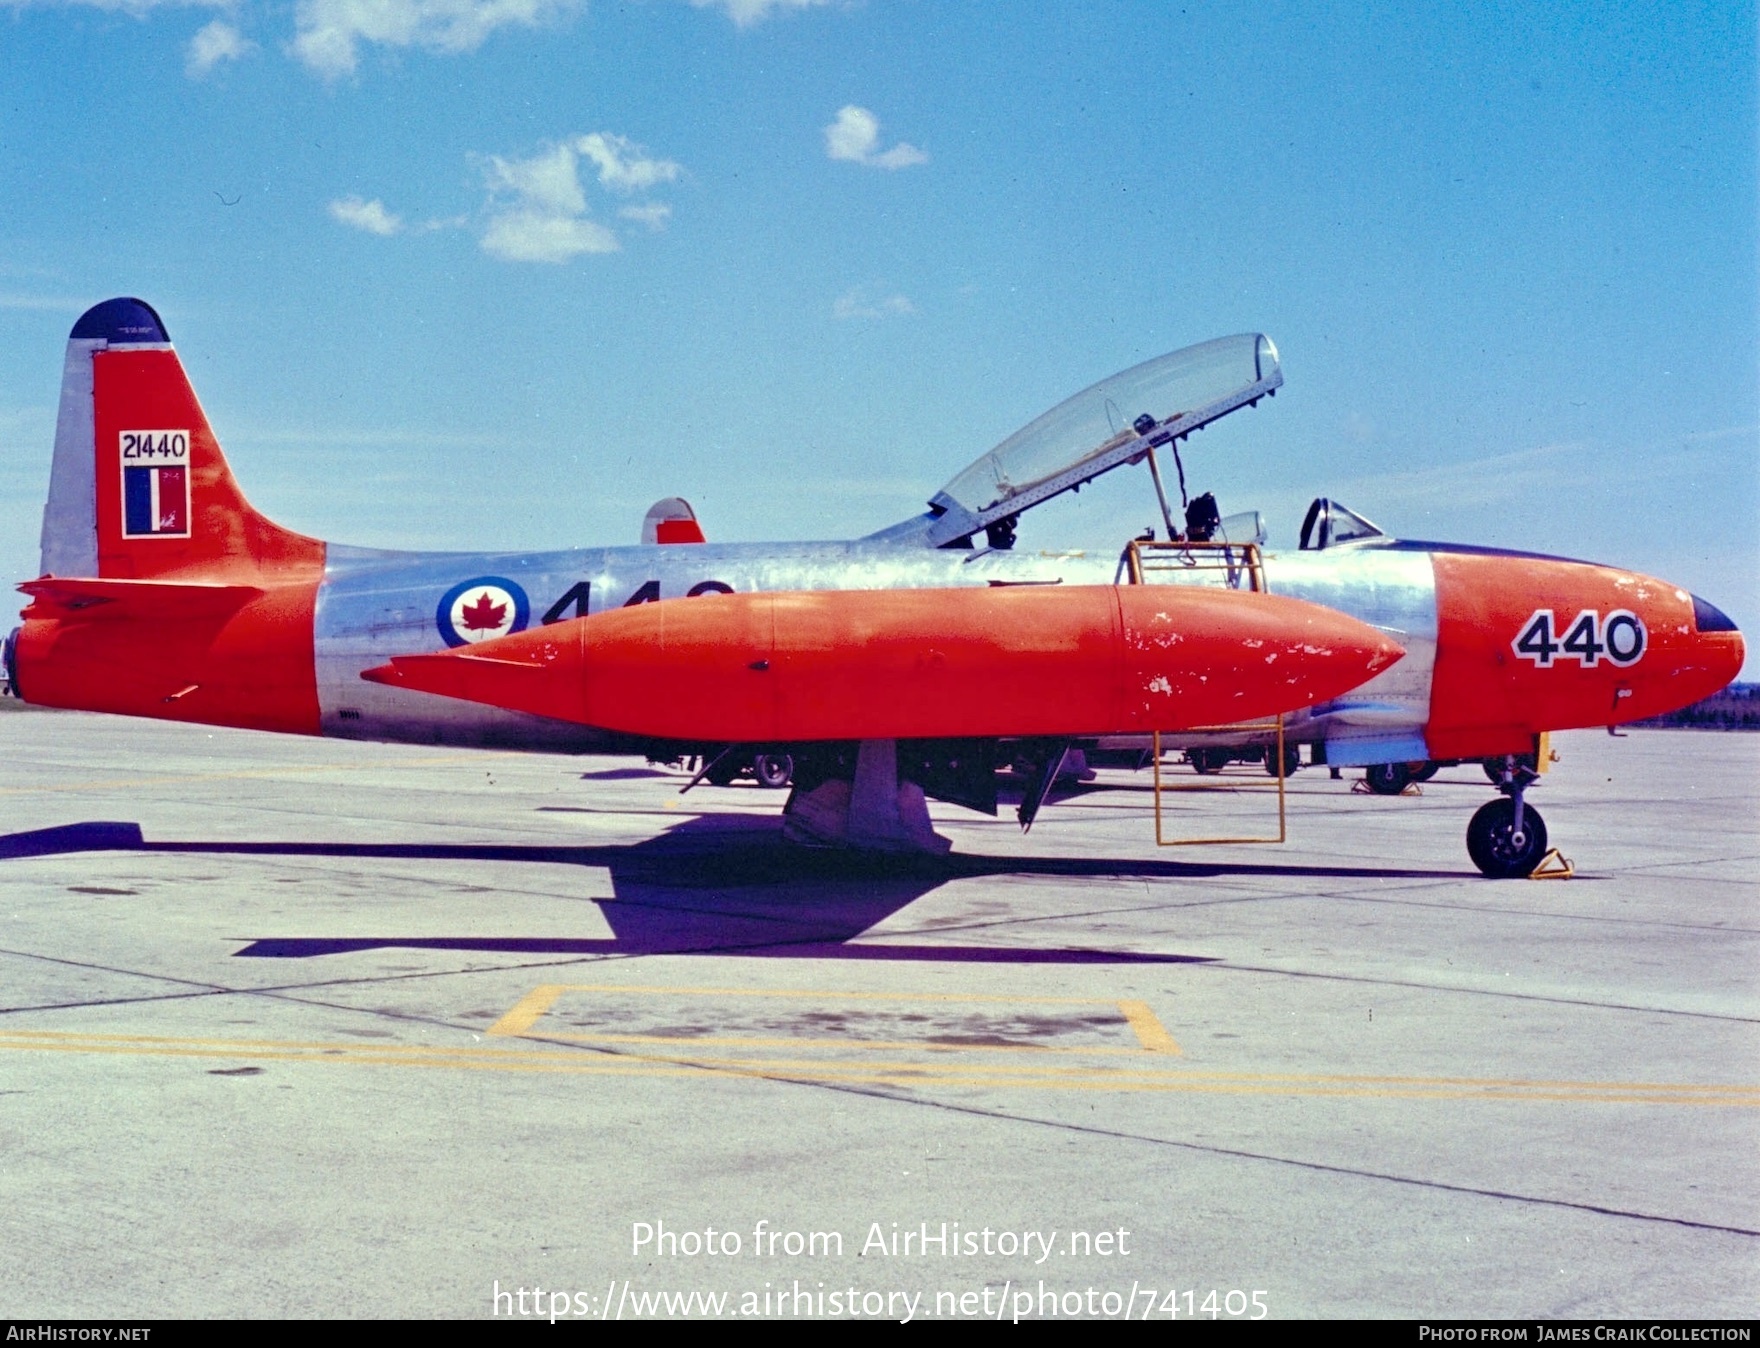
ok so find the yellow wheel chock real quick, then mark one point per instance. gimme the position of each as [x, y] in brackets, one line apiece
[1555, 865]
[1362, 788]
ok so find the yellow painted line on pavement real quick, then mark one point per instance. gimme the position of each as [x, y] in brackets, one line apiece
[1123, 1077]
[845, 1042]
[1151, 1034]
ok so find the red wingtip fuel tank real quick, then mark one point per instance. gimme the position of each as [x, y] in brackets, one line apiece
[1526, 644]
[917, 664]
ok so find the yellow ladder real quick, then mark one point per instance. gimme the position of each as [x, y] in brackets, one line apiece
[1235, 566]
[1197, 562]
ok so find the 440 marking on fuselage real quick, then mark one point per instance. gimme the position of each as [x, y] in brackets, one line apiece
[648, 592]
[492, 606]
[1619, 639]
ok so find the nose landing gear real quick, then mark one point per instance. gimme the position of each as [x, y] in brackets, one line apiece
[1507, 837]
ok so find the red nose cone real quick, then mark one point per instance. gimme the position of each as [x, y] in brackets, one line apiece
[1710, 661]
[1528, 644]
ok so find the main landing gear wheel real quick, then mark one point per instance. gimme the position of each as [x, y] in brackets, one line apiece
[723, 770]
[1292, 759]
[1388, 779]
[1426, 770]
[773, 770]
[1498, 848]
[1207, 761]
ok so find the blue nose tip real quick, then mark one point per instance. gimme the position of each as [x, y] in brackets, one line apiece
[1709, 618]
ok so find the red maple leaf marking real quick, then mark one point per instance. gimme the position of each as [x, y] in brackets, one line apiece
[483, 616]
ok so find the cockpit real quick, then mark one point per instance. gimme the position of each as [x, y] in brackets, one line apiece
[1330, 525]
[1122, 421]
[1119, 421]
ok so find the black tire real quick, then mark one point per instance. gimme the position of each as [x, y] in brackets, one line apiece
[1423, 772]
[773, 770]
[1388, 779]
[1207, 761]
[1292, 759]
[724, 770]
[1494, 846]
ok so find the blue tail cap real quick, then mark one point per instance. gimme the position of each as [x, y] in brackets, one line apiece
[120, 321]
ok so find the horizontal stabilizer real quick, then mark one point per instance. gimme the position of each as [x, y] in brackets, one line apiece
[102, 597]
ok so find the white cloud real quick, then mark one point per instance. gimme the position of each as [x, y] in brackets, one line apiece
[623, 165]
[899, 156]
[368, 215]
[526, 235]
[745, 13]
[328, 32]
[862, 302]
[855, 136]
[538, 208]
[217, 42]
[546, 183]
[653, 214]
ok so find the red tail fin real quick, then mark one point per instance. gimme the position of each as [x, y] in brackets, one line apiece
[140, 488]
[171, 597]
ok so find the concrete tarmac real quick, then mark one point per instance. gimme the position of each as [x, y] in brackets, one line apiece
[310, 1028]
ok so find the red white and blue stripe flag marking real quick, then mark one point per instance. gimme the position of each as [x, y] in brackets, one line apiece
[155, 484]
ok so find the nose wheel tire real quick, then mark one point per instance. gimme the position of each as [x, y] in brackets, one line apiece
[1497, 849]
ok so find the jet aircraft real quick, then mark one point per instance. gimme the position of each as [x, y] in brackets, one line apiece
[891, 667]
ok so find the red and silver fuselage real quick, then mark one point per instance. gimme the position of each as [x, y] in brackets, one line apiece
[1498, 647]
[166, 594]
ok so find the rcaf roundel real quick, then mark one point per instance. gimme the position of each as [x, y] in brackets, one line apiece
[476, 610]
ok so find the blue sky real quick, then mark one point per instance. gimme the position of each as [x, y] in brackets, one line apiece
[499, 273]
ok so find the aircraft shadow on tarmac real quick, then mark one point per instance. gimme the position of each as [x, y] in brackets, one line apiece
[722, 885]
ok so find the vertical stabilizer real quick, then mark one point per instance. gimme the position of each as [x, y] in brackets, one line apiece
[139, 487]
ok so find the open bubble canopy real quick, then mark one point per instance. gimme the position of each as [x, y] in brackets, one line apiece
[1115, 422]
